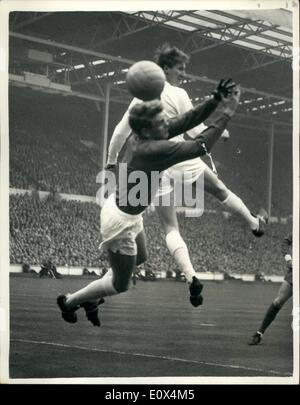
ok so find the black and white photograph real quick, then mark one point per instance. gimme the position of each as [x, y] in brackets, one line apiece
[149, 194]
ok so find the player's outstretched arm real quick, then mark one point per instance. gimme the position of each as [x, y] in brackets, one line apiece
[201, 112]
[229, 106]
[162, 154]
[119, 136]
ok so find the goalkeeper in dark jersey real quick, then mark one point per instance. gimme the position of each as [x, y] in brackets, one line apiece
[285, 292]
[146, 151]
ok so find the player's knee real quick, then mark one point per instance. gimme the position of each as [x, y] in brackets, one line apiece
[220, 191]
[278, 302]
[121, 286]
[121, 283]
[168, 219]
[174, 241]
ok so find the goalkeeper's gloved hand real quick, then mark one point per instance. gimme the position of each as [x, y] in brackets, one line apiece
[224, 88]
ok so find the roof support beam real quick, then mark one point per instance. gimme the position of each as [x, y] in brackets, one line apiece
[32, 19]
[245, 89]
[83, 51]
[272, 27]
[228, 33]
[92, 73]
[71, 48]
[202, 38]
[253, 61]
[198, 42]
[129, 24]
[126, 101]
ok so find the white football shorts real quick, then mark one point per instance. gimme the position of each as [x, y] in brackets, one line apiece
[118, 229]
[186, 172]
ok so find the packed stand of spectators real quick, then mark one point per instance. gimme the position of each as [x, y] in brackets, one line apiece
[220, 243]
[49, 153]
[52, 162]
[68, 232]
[243, 165]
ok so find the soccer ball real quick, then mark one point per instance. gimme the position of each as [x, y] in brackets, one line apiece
[145, 80]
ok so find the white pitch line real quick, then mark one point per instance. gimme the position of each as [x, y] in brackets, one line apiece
[153, 356]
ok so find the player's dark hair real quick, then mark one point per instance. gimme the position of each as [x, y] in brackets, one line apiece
[168, 55]
[142, 114]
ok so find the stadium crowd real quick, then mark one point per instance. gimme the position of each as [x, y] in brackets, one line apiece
[67, 161]
[56, 161]
[58, 151]
[68, 232]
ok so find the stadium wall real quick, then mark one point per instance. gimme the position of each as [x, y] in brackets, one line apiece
[209, 276]
[65, 271]
[44, 194]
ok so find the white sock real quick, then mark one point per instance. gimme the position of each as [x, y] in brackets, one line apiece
[179, 251]
[236, 205]
[93, 291]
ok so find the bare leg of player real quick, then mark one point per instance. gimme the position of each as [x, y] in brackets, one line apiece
[115, 281]
[285, 292]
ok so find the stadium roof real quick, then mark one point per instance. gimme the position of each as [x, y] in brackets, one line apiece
[234, 27]
[83, 51]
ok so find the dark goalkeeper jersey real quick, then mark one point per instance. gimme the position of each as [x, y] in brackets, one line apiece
[140, 161]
